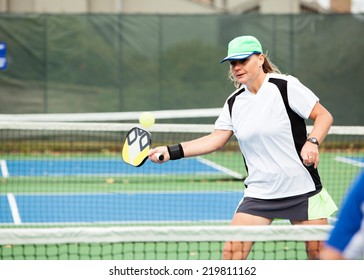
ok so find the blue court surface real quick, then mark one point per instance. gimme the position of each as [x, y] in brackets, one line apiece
[73, 167]
[118, 208]
[139, 207]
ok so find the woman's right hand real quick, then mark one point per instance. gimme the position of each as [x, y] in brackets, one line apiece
[159, 154]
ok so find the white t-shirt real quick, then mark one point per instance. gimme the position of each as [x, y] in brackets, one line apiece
[268, 136]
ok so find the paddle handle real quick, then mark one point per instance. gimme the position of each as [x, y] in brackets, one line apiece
[159, 156]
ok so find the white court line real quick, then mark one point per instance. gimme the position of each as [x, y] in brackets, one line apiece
[350, 161]
[220, 168]
[4, 168]
[14, 208]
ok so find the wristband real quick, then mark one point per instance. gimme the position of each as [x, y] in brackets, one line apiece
[175, 151]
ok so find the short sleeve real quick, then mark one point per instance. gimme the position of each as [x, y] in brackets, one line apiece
[224, 122]
[301, 99]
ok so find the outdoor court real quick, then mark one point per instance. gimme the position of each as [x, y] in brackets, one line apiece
[122, 206]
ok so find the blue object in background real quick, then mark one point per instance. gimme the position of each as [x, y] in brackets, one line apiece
[3, 59]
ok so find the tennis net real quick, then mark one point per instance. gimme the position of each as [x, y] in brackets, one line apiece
[275, 242]
[72, 173]
[169, 116]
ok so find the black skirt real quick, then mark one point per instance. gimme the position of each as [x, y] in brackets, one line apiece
[291, 208]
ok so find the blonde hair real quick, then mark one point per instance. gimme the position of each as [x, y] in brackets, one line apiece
[268, 67]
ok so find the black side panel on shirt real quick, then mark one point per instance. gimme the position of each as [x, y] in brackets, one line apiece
[298, 127]
[231, 100]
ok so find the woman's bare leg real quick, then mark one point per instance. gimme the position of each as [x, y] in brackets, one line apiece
[240, 250]
[312, 247]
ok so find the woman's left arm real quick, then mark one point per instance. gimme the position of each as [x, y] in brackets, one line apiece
[322, 123]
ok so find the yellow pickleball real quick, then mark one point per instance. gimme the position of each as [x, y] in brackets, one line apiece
[146, 119]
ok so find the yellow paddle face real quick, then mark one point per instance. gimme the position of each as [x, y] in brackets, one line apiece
[136, 147]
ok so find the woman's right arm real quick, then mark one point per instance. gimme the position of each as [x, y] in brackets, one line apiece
[200, 146]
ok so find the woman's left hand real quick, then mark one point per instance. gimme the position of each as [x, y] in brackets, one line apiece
[310, 154]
